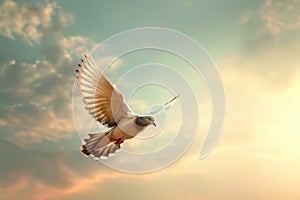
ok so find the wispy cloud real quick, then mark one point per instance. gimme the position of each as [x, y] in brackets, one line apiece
[280, 16]
[74, 45]
[30, 22]
[277, 17]
[271, 42]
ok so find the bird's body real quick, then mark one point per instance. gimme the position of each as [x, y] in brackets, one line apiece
[106, 104]
[126, 128]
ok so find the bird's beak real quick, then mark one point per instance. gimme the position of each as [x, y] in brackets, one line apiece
[153, 123]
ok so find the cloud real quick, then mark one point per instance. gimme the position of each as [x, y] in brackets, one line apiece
[271, 24]
[279, 16]
[259, 143]
[275, 68]
[260, 113]
[260, 139]
[36, 103]
[28, 114]
[246, 16]
[47, 175]
[31, 22]
[74, 45]
[276, 17]
[271, 42]
[12, 62]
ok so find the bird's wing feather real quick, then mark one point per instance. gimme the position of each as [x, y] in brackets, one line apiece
[103, 101]
[164, 107]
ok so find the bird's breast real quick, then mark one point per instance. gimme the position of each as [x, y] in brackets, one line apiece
[126, 129]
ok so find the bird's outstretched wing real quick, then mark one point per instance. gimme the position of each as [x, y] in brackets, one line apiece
[103, 101]
[164, 107]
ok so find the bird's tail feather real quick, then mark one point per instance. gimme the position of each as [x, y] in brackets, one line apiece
[99, 145]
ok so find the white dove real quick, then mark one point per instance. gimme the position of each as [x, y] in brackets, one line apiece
[107, 105]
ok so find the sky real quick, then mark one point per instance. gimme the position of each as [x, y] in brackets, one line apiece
[255, 45]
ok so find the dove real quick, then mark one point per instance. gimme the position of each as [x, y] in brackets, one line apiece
[107, 106]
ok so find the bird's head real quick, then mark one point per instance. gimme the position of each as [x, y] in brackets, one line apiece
[145, 121]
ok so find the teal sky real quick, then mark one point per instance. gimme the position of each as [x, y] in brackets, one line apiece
[255, 45]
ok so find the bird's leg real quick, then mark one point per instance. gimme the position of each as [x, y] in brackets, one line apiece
[119, 141]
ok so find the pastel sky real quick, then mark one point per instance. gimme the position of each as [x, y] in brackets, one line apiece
[255, 45]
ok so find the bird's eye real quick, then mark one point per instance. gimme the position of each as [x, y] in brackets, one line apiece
[142, 119]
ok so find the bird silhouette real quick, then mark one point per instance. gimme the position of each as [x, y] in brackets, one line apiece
[106, 104]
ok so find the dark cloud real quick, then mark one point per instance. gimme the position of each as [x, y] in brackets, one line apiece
[43, 171]
[30, 101]
[43, 166]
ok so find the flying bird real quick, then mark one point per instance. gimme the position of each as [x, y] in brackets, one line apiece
[106, 104]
